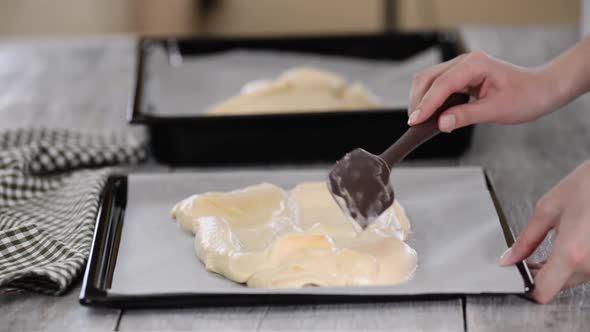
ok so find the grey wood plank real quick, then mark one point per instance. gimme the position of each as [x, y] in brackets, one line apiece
[518, 189]
[511, 313]
[523, 46]
[34, 312]
[84, 85]
[400, 316]
[508, 152]
[77, 84]
[525, 161]
[80, 84]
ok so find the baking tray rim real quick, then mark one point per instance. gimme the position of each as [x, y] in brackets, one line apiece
[136, 114]
[104, 250]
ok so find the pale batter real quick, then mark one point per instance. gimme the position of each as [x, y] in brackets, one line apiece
[298, 90]
[268, 238]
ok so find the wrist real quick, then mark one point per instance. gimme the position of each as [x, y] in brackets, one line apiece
[555, 88]
[568, 75]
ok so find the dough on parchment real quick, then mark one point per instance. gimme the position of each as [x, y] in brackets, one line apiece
[298, 90]
[267, 237]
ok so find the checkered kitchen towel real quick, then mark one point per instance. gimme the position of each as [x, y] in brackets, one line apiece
[46, 212]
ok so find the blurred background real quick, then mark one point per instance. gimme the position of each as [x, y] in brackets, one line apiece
[235, 17]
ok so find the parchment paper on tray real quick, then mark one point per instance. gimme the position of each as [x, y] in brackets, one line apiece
[199, 82]
[456, 233]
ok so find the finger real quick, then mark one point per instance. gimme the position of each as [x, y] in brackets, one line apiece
[423, 80]
[466, 114]
[549, 281]
[576, 279]
[573, 281]
[544, 219]
[535, 265]
[457, 78]
[531, 262]
[552, 277]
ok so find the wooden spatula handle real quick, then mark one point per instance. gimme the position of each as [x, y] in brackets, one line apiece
[418, 134]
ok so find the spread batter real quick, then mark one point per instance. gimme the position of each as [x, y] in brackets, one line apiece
[269, 238]
[298, 90]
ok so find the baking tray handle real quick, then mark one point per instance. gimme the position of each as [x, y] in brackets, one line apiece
[105, 243]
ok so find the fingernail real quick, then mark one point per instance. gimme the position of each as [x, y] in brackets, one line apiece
[505, 256]
[413, 117]
[447, 122]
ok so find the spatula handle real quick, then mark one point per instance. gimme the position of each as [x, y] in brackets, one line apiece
[418, 134]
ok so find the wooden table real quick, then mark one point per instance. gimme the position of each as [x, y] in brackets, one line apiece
[85, 84]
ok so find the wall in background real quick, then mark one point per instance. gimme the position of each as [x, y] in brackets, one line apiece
[423, 14]
[300, 16]
[72, 17]
[165, 17]
[29, 17]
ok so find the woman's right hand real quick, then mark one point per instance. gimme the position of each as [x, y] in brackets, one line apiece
[504, 93]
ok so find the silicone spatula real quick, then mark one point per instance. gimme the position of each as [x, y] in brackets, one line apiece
[360, 181]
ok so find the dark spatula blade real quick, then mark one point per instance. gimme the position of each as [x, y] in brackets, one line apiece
[360, 185]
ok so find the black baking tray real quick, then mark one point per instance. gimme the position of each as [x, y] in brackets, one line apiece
[292, 137]
[105, 244]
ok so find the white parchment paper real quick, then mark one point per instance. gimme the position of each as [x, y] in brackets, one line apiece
[456, 233]
[199, 82]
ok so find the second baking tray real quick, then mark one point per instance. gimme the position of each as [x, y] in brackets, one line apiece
[185, 140]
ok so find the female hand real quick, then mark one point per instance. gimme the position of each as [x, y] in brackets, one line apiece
[504, 93]
[566, 210]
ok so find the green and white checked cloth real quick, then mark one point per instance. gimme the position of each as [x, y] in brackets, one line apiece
[47, 212]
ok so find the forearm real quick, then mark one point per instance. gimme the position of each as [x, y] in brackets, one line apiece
[568, 75]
